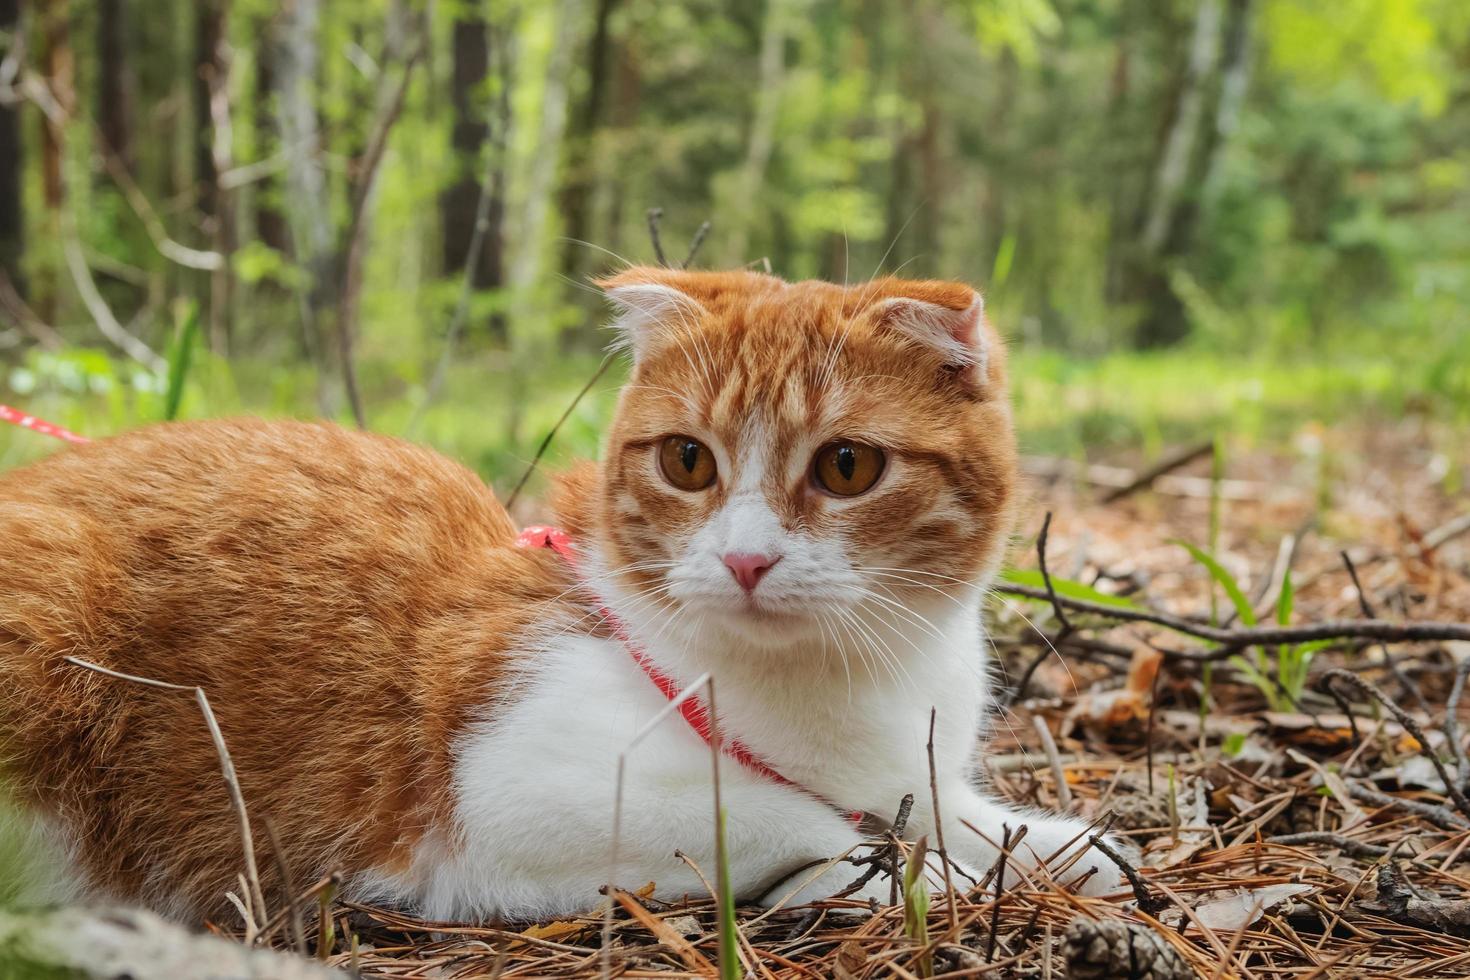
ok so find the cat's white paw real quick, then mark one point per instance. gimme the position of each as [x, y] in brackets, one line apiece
[1062, 843]
[803, 889]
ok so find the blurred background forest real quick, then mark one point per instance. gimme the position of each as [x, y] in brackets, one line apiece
[1190, 216]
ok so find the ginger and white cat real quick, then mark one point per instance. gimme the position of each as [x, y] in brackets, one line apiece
[804, 492]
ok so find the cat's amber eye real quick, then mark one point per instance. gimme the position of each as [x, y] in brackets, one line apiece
[846, 469]
[686, 463]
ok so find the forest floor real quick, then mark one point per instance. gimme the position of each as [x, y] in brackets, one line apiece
[1283, 831]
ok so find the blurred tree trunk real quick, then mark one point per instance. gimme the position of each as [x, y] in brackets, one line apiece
[1235, 79]
[527, 267]
[295, 56]
[623, 115]
[744, 204]
[12, 169]
[58, 68]
[116, 84]
[1121, 193]
[470, 138]
[1164, 319]
[270, 222]
[581, 167]
[209, 34]
[216, 138]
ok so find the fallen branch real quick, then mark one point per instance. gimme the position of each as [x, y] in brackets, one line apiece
[1147, 902]
[1166, 465]
[17, 312]
[1398, 900]
[1173, 484]
[1230, 641]
[1349, 846]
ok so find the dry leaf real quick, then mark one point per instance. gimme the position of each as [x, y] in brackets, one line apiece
[1234, 912]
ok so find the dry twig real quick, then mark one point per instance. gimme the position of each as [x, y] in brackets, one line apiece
[227, 769]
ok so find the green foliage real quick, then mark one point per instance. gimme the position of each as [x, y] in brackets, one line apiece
[1224, 579]
[1281, 683]
[1320, 259]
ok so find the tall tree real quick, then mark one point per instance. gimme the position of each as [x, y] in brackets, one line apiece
[116, 83]
[12, 168]
[294, 55]
[212, 62]
[1175, 180]
[211, 16]
[270, 221]
[770, 79]
[470, 139]
[58, 67]
[581, 176]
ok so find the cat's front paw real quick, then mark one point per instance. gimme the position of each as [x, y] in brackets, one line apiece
[813, 885]
[1095, 873]
[1064, 845]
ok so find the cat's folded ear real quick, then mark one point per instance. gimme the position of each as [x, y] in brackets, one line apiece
[649, 303]
[946, 318]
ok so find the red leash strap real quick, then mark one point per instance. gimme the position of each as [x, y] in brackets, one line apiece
[693, 710]
[16, 417]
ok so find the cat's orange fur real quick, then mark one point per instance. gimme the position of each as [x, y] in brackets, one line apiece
[343, 598]
[347, 599]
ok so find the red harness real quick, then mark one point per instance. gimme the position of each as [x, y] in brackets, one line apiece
[693, 710]
[16, 417]
[560, 542]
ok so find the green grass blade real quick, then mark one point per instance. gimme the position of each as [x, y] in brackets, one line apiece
[180, 353]
[1032, 578]
[916, 903]
[1225, 579]
[729, 948]
[1285, 603]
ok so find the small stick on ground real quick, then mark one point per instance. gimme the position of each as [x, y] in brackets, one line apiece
[1409, 687]
[1051, 592]
[227, 770]
[949, 895]
[1410, 725]
[551, 433]
[1059, 776]
[1230, 641]
[695, 243]
[1147, 903]
[1441, 816]
[1168, 464]
[288, 887]
[1451, 727]
[1349, 846]
[1000, 885]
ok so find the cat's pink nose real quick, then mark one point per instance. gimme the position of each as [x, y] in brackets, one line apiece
[748, 569]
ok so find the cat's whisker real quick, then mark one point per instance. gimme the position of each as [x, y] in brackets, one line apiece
[627, 263]
[909, 615]
[1015, 608]
[882, 652]
[896, 237]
